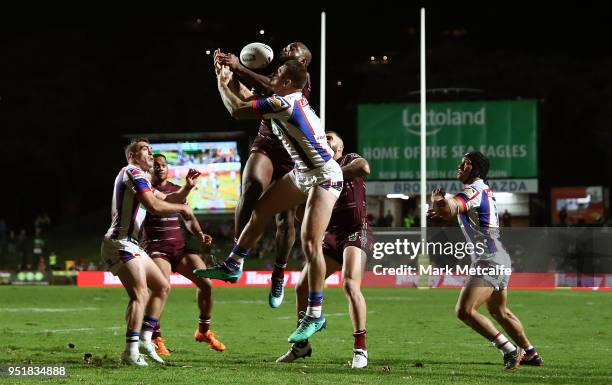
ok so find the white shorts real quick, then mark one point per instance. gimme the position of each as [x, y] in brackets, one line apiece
[117, 252]
[329, 176]
[491, 261]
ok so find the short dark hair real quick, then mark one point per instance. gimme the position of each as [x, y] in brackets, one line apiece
[160, 155]
[296, 72]
[480, 164]
[132, 147]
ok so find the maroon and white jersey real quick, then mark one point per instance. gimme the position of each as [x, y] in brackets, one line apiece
[167, 228]
[264, 126]
[350, 210]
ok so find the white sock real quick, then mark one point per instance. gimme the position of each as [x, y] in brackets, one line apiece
[146, 335]
[503, 344]
[314, 311]
[131, 343]
[133, 347]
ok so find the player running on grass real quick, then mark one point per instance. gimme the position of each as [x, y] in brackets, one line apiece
[476, 212]
[316, 180]
[166, 245]
[268, 162]
[133, 197]
[347, 242]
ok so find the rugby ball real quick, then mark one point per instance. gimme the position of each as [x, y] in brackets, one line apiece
[256, 56]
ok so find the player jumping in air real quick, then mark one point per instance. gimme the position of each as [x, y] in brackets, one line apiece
[476, 210]
[347, 242]
[268, 162]
[316, 180]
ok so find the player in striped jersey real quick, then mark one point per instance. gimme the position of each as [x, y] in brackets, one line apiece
[347, 243]
[476, 211]
[316, 180]
[268, 162]
[123, 254]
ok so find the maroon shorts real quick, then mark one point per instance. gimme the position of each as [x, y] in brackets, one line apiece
[171, 251]
[273, 148]
[334, 243]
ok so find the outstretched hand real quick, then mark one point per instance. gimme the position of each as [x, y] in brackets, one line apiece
[192, 177]
[224, 77]
[228, 59]
[438, 194]
[216, 62]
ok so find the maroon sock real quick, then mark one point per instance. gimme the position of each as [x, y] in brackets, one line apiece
[279, 271]
[360, 339]
[203, 324]
[156, 331]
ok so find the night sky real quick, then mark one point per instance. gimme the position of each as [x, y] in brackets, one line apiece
[71, 88]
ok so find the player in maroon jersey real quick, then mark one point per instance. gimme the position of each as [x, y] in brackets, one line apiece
[347, 242]
[268, 162]
[166, 244]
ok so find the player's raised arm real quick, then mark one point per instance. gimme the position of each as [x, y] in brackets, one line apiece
[358, 168]
[161, 207]
[180, 196]
[159, 195]
[445, 208]
[149, 197]
[260, 82]
[238, 108]
[239, 89]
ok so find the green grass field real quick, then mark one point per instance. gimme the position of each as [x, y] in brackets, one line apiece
[413, 338]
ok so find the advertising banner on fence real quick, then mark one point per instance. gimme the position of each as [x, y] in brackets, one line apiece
[249, 278]
[528, 281]
[521, 186]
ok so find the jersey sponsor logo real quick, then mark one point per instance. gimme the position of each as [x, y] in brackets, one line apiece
[353, 237]
[277, 103]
